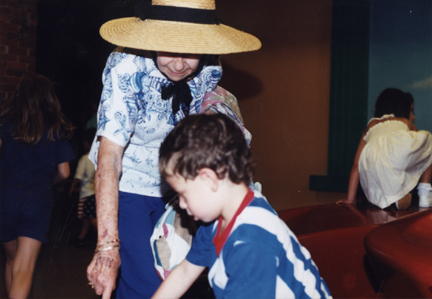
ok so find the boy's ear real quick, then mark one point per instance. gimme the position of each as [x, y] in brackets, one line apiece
[209, 177]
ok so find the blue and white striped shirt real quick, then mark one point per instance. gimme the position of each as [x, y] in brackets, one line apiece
[260, 258]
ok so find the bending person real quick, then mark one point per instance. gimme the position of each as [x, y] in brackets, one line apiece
[169, 68]
[392, 156]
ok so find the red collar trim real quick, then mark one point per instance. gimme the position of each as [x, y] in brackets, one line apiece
[220, 239]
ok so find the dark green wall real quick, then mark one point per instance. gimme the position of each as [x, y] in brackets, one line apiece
[348, 91]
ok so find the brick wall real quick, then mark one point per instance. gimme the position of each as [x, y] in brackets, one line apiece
[18, 28]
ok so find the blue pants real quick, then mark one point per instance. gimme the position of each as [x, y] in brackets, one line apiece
[138, 215]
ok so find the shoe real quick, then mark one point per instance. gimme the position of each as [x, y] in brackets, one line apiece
[425, 201]
[424, 191]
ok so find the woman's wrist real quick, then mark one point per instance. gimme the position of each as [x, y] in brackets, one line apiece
[108, 245]
[109, 242]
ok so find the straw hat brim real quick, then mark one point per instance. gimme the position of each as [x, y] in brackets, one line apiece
[177, 37]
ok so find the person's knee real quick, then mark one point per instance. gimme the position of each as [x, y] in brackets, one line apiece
[26, 254]
[19, 268]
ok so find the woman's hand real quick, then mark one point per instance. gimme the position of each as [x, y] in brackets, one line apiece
[102, 272]
[346, 202]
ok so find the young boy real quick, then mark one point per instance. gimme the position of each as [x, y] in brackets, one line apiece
[251, 253]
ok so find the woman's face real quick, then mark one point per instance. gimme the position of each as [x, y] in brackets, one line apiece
[177, 66]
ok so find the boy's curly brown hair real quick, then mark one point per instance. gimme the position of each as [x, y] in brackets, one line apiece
[206, 141]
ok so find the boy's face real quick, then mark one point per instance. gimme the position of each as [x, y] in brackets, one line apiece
[196, 197]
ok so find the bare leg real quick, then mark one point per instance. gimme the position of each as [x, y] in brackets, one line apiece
[426, 176]
[10, 249]
[404, 202]
[23, 266]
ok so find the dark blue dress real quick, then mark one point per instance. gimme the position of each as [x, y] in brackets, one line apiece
[26, 176]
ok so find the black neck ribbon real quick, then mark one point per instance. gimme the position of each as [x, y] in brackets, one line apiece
[181, 96]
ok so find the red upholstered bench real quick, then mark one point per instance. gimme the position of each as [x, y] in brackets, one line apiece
[334, 235]
[401, 255]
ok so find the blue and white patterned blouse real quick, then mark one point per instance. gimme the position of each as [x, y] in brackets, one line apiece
[132, 114]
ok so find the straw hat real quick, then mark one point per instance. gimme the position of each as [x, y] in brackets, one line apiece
[178, 26]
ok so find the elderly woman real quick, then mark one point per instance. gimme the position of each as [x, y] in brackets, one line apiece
[167, 69]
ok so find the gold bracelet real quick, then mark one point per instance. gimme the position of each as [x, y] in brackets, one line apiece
[109, 242]
[106, 248]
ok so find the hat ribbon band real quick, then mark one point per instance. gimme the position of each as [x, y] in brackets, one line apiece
[182, 14]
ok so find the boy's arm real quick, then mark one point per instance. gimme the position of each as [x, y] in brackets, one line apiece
[179, 280]
[354, 176]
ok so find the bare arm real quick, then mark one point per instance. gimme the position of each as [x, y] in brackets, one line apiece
[354, 176]
[73, 188]
[102, 271]
[179, 280]
[63, 172]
